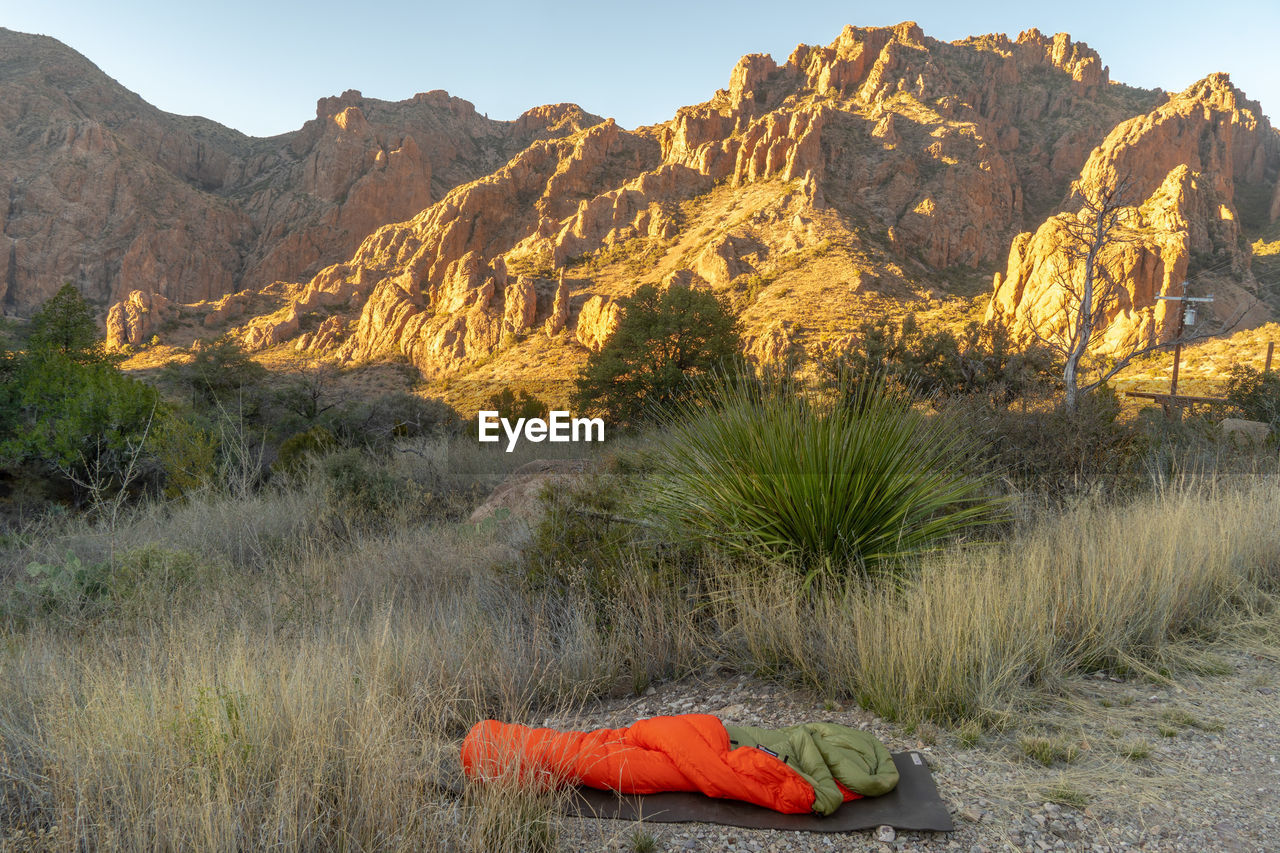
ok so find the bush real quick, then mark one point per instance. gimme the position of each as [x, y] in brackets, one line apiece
[981, 361]
[1054, 451]
[139, 581]
[1255, 394]
[584, 538]
[301, 447]
[376, 423]
[664, 339]
[514, 405]
[846, 485]
[66, 585]
[187, 454]
[1057, 453]
[360, 493]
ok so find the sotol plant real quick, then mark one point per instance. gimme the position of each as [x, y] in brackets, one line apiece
[851, 482]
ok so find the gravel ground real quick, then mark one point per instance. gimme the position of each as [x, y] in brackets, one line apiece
[1132, 766]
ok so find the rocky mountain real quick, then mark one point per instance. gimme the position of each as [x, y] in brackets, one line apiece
[885, 172]
[100, 188]
[1200, 173]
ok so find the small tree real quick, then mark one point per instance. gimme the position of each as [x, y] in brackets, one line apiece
[1089, 288]
[310, 390]
[664, 339]
[513, 405]
[1255, 394]
[64, 325]
[221, 376]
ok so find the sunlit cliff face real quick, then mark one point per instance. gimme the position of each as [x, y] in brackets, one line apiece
[883, 173]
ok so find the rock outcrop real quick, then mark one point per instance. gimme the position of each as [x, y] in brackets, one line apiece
[944, 144]
[420, 229]
[1187, 169]
[517, 498]
[559, 309]
[137, 318]
[110, 193]
[598, 320]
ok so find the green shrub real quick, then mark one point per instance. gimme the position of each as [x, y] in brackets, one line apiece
[514, 405]
[187, 454]
[664, 339]
[848, 485]
[361, 493]
[84, 420]
[301, 447]
[64, 407]
[1255, 394]
[581, 542]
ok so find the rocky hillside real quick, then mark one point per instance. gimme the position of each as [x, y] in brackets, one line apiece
[1200, 174]
[100, 188]
[885, 172]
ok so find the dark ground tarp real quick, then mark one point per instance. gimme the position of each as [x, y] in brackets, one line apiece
[913, 805]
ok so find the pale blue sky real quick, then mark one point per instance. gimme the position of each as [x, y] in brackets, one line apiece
[260, 66]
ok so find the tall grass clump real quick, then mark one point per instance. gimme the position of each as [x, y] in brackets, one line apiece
[850, 481]
[973, 634]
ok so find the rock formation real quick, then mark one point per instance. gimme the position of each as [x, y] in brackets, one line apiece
[137, 318]
[110, 193]
[559, 309]
[886, 165]
[597, 322]
[1188, 168]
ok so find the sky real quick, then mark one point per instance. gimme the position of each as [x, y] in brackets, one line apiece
[260, 66]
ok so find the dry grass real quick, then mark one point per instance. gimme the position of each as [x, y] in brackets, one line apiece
[1119, 587]
[314, 709]
[306, 692]
[1205, 364]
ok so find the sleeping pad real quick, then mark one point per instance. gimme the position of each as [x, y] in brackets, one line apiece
[798, 770]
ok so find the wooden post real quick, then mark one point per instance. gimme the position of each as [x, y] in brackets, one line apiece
[1177, 352]
[1271, 350]
[1177, 357]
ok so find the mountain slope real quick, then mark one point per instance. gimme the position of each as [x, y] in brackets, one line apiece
[104, 190]
[886, 172]
[883, 173]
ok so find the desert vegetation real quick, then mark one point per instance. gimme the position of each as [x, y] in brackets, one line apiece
[277, 635]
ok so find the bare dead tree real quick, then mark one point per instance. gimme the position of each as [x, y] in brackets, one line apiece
[1090, 290]
[313, 388]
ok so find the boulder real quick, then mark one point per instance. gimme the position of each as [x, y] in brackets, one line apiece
[1243, 431]
[135, 319]
[597, 322]
[518, 497]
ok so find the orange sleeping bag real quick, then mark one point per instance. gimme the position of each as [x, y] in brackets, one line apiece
[689, 752]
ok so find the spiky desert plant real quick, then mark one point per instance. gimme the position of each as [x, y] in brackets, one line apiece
[851, 481]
